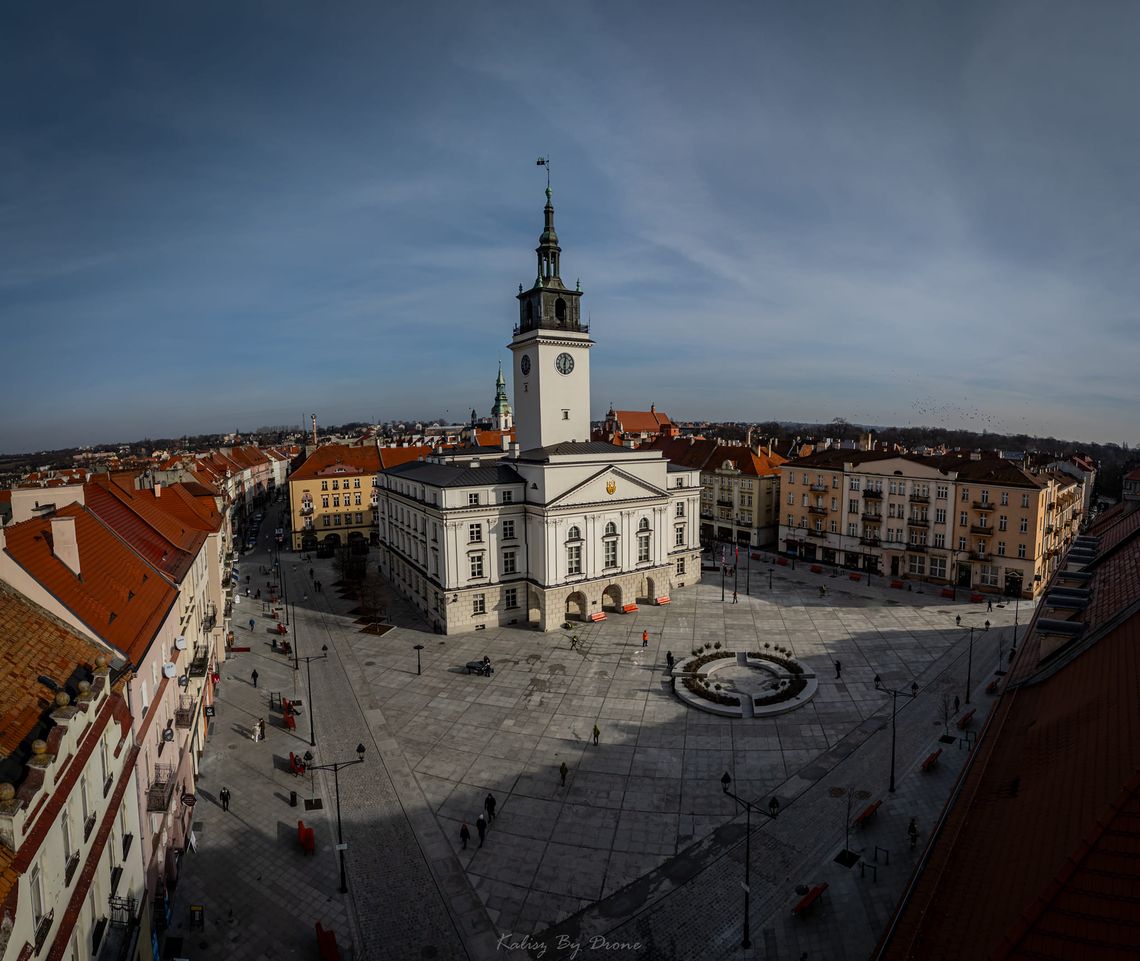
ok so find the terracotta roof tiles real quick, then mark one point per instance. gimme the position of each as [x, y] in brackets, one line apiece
[328, 458]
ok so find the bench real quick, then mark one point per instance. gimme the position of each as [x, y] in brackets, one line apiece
[663, 599]
[629, 609]
[307, 838]
[327, 949]
[598, 616]
[948, 592]
[809, 899]
[296, 764]
[931, 760]
[869, 812]
[992, 687]
[965, 719]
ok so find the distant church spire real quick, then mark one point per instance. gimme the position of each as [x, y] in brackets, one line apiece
[501, 417]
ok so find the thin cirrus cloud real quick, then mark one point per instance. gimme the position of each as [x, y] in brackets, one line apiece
[217, 218]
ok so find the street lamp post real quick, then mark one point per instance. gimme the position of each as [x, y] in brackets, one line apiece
[418, 648]
[772, 812]
[912, 693]
[969, 666]
[335, 768]
[309, 671]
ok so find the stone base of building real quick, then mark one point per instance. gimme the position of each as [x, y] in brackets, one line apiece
[547, 609]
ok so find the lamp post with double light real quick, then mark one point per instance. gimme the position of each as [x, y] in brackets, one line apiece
[335, 768]
[895, 695]
[772, 812]
[309, 671]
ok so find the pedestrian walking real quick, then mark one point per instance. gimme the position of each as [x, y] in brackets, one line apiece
[957, 703]
[669, 659]
[489, 804]
[465, 835]
[912, 832]
[989, 605]
[481, 827]
[318, 587]
[251, 623]
[261, 729]
[310, 573]
[958, 620]
[224, 797]
[253, 677]
[564, 770]
[838, 670]
[597, 733]
[735, 599]
[645, 638]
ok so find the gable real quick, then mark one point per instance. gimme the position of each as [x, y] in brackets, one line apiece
[596, 490]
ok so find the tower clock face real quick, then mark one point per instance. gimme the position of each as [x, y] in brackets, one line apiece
[525, 364]
[564, 363]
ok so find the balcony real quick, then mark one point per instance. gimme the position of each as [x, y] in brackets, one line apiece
[210, 618]
[870, 541]
[1050, 505]
[917, 522]
[161, 788]
[1048, 528]
[69, 871]
[820, 534]
[306, 509]
[916, 548]
[43, 927]
[818, 488]
[872, 518]
[984, 505]
[724, 501]
[88, 825]
[982, 530]
[877, 495]
[184, 713]
[116, 874]
[979, 556]
[201, 662]
[920, 498]
[815, 509]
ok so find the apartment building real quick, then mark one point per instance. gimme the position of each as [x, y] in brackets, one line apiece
[971, 520]
[71, 870]
[332, 496]
[740, 488]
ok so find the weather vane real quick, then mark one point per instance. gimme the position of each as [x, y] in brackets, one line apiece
[545, 162]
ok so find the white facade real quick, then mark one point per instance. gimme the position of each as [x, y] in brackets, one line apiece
[556, 528]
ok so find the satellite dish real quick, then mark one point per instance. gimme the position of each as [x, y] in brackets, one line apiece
[180, 642]
[169, 670]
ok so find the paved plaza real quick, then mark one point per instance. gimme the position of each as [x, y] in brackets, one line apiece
[640, 849]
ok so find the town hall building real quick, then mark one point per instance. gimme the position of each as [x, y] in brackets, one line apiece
[553, 527]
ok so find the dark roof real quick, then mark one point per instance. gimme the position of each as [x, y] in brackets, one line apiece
[1038, 848]
[576, 447]
[454, 475]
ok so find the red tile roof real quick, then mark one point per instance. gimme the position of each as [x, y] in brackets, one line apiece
[338, 458]
[642, 421]
[710, 455]
[1038, 851]
[394, 456]
[119, 596]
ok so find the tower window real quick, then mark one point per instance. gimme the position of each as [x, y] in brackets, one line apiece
[529, 312]
[565, 414]
[560, 310]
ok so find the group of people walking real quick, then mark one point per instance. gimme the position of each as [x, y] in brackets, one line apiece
[481, 822]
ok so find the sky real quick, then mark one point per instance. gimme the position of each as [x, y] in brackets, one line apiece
[221, 215]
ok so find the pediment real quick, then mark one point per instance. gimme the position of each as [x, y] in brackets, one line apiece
[609, 485]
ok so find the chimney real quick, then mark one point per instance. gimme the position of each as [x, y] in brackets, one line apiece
[506, 442]
[157, 489]
[64, 544]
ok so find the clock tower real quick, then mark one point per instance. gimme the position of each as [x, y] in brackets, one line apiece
[552, 354]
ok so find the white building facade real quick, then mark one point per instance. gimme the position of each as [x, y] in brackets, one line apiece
[556, 527]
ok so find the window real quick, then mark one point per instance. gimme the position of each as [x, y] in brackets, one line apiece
[611, 529]
[833, 527]
[336, 485]
[939, 539]
[1021, 551]
[680, 565]
[804, 502]
[511, 598]
[356, 483]
[989, 576]
[473, 500]
[475, 533]
[574, 534]
[357, 502]
[1023, 526]
[852, 530]
[35, 886]
[642, 548]
[65, 830]
[854, 484]
[805, 478]
[940, 515]
[917, 564]
[510, 562]
[574, 559]
[324, 501]
[326, 520]
[479, 604]
[643, 524]
[565, 414]
[336, 520]
[509, 530]
[963, 519]
[852, 507]
[985, 497]
[679, 536]
[961, 543]
[791, 520]
[508, 497]
[610, 549]
[1024, 500]
[324, 485]
[942, 491]
[359, 517]
[1001, 549]
[1003, 523]
[791, 499]
[965, 494]
[476, 561]
[938, 567]
[680, 508]
[1005, 498]
[791, 478]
